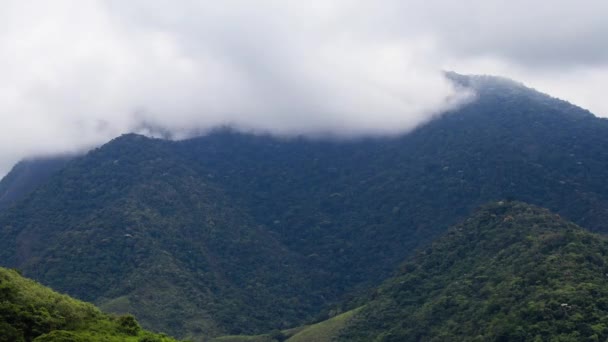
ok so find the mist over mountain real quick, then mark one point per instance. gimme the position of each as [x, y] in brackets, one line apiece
[318, 171]
[77, 74]
[233, 233]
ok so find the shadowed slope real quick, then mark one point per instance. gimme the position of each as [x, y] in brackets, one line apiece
[135, 230]
[26, 176]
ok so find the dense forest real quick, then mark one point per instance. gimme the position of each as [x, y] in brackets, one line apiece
[234, 233]
[26, 176]
[511, 272]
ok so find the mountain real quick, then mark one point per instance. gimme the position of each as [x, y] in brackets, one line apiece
[26, 176]
[510, 272]
[240, 234]
[32, 312]
[135, 230]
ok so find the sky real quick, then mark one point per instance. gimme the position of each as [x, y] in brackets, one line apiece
[76, 73]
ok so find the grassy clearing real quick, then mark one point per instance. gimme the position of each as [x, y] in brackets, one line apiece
[324, 331]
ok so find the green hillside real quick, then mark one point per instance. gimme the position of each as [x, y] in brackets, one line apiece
[324, 331]
[32, 312]
[511, 272]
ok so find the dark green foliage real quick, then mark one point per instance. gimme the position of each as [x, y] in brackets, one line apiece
[511, 272]
[278, 336]
[235, 233]
[31, 312]
[137, 231]
[128, 325]
[9, 333]
[26, 176]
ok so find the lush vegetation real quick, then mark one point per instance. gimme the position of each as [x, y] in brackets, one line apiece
[136, 231]
[243, 234]
[511, 272]
[26, 176]
[32, 312]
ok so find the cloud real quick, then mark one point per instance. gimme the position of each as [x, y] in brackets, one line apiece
[77, 73]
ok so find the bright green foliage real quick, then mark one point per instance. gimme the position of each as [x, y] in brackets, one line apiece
[511, 272]
[32, 312]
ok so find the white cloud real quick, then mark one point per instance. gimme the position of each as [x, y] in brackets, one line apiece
[76, 73]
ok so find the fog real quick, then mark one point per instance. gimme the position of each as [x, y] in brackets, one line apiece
[78, 73]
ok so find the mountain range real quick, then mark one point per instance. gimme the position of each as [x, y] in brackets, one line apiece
[509, 272]
[234, 233]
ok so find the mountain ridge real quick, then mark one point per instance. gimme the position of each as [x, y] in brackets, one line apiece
[343, 214]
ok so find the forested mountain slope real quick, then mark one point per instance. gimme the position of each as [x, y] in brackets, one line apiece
[26, 176]
[349, 204]
[134, 230]
[511, 272]
[245, 233]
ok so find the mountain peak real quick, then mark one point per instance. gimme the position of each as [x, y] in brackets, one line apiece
[489, 88]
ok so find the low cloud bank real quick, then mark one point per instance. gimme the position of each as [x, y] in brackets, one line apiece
[78, 73]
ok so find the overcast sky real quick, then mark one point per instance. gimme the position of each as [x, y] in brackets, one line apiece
[76, 73]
